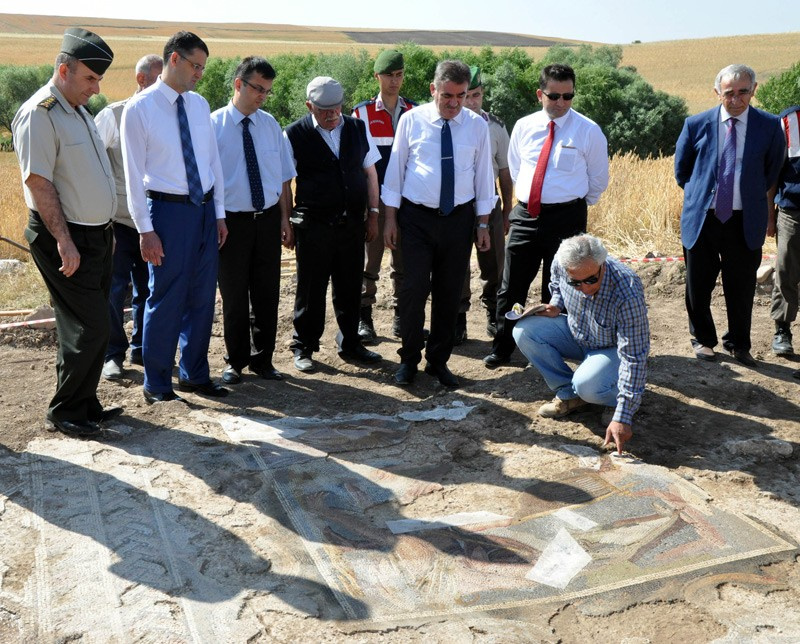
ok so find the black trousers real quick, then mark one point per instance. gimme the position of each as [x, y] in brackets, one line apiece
[326, 253]
[436, 254]
[249, 282]
[532, 242]
[81, 310]
[721, 248]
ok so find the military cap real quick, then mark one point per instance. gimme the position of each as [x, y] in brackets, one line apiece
[324, 92]
[475, 79]
[388, 61]
[88, 48]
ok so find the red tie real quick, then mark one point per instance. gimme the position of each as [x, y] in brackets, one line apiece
[535, 199]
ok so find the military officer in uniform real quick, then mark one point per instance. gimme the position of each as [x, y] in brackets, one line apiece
[70, 191]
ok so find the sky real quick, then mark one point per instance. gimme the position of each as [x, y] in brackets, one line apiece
[606, 21]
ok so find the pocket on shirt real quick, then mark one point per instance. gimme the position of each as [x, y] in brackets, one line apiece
[564, 159]
[464, 159]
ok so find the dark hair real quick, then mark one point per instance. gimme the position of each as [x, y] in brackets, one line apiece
[556, 72]
[184, 43]
[255, 65]
[451, 71]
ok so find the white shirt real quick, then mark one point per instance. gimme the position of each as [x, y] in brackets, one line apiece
[578, 165]
[274, 158]
[333, 139]
[415, 167]
[152, 152]
[107, 127]
[741, 132]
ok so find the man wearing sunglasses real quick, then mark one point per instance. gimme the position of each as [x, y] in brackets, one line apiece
[596, 315]
[258, 167]
[558, 160]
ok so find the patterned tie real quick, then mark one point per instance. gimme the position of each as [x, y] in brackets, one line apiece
[253, 174]
[192, 174]
[447, 195]
[727, 169]
[535, 198]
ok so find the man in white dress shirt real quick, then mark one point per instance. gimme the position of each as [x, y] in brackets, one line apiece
[258, 167]
[439, 182]
[176, 198]
[558, 160]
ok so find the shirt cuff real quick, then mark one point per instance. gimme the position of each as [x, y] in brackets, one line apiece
[485, 206]
[391, 198]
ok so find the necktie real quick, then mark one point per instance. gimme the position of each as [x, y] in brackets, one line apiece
[253, 174]
[535, 198]
[727, 169]
[192, 174]
[447, 194]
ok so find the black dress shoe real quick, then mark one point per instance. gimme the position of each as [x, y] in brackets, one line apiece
[405, 374]
[166, 396]
[209, 388]
[441, 372]
[360, 353]
[495, 360]
[231, 376]
[743, 356]
[109, 413]
[77, 428]
[136, 358]
[267, 372]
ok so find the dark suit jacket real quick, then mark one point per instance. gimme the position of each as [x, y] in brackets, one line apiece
[696, 167]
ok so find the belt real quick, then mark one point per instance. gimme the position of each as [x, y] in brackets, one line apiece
[435, 211]
[104, 226]
[166, 196]
[553, 206]
[249, 213]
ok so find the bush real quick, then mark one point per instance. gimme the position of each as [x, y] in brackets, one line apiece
[780, 92]
[17, 84]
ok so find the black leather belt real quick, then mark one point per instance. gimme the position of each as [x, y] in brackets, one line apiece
[166, 196]
[553, 206]
[436, 211]
[104, 226]
[250, 213]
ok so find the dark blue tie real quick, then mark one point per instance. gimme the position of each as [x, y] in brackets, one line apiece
[192, 174]
[253, 174]
[447, 196]
[727, 170]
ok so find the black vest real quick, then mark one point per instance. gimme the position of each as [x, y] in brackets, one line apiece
[327, 187]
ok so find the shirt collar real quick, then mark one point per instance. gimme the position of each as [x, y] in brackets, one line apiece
[561, 121]
[60, 97]
[724, 116]
[435, 116]
[170, 94]
[237, 116]
[317, 125]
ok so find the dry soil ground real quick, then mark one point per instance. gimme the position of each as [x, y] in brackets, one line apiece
[717, 425]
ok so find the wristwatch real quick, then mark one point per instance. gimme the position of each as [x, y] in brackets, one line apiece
[483, 225]
[374, 210]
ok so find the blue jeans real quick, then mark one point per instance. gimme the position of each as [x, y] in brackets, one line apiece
[129, 267]
[546, 342]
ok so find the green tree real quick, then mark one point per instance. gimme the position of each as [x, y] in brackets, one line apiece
[17, 84]
[780, 92]
[96, 103]
[216, 85]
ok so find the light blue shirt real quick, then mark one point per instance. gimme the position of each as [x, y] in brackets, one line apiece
[274, 157]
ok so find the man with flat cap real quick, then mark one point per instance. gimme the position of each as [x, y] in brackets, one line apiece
[336, 183]
[176, 198]
[489, 263]
[69, 189]
[381, 114]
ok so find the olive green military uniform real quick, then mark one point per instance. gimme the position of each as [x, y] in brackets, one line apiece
[61, 144]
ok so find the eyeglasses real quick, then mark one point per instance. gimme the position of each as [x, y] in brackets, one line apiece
[197, 67]
[555, 96]
[592, 279]
[257, 88]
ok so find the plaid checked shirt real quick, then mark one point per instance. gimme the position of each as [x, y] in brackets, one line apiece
[614, 316]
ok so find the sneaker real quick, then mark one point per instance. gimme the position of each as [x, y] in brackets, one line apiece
[112, 369]
[559, 407]
[366, 329]
[782, 343]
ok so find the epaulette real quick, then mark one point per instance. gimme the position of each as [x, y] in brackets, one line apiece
[48, 103]
[410, 102]
[369, 101]
[495, 119]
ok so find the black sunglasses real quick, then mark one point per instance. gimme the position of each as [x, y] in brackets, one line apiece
[555, 96]
[592, 279]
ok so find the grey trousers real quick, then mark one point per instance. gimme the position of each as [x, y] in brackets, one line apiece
[787, 267]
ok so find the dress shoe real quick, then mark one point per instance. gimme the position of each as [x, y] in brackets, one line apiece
[165, 396]
[405, 374]
[112, 369]
[366, 328]
[494, 360]
[77, 428]
[782, 343]
[491, 322]
[441, 372]
[211, 389]
[104, 415]
[743, 356]
[136, 358]
[461, 329]
[360, 353]
[231, 376]
[304, 363]
[704, 353]
[266, 372]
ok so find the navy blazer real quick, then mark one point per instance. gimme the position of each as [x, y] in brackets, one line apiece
[696, 164]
